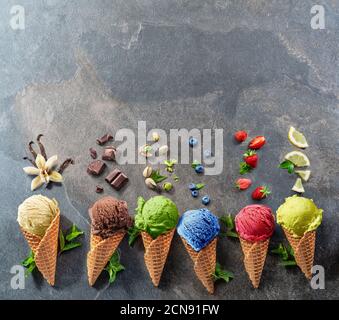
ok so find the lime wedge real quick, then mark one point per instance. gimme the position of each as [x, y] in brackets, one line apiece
[298, 186]
[298, 159]
[305, 175]
[297, 138]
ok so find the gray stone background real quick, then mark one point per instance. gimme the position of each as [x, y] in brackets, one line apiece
[81, 68]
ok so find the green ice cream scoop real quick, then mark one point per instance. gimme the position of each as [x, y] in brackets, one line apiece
[299, 215]
[156, 215]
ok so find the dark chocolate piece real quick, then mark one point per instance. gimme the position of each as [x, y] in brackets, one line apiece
[112, 175]
[109, 154]
[93, 153]
[119, 181]
[99, 189]
[104, 139]
[96, 167]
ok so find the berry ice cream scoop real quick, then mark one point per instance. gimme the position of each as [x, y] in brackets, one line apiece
[255, 223]
[255, 226]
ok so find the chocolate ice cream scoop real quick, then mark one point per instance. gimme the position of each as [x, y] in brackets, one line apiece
[109, 215]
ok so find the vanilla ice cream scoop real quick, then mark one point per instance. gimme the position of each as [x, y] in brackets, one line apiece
[36, 214]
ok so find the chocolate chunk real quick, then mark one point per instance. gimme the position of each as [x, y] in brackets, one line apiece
[119, 181]
[93, 153]
[99, 189]
[109, 153]
[96, 167]
[104, 139]
[112, 175]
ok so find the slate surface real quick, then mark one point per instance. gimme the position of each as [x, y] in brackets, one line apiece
[78, 71]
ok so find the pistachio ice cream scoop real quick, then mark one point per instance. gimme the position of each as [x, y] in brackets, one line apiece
[36, 214]
[299, 215]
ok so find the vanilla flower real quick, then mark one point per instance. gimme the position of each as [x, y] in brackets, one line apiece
[43, 171]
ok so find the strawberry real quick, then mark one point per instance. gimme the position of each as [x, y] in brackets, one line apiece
[240, 136]
[257, 142]
[243, 184]
[251, 158]
[260, 193]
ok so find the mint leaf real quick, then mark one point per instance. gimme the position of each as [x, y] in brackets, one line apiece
[28, 260]
[288, 263]
[195, 163]
[29, 263]
[288, 165]
[74, 233]
[114, 266]
[232, 234]
[244, 168]
[157, 177]
[30, 269]
[290, 251]
[222, 234]
[133, 234]
[61, 240]
[222, 274]
[199, 186]
[286, 255]
[67, 243]
[70, 246]
[228, 221]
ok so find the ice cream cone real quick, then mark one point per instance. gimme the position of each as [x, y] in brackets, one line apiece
[303, 248]
[204, 263]
[100, 253]
[156, 251]
[254, 258]
[45, 249]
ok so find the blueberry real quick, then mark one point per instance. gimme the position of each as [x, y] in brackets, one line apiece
[192, 186]
[199, 169]
[193, 141]
[195, 193]
[205, 200]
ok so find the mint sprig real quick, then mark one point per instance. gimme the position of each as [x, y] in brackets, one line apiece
[114, 266]
[157, 177]
[288, 165]
[228, 221]
[133, 234]
[220, 273]
[285, 254]
[67, 242]
[29, 263]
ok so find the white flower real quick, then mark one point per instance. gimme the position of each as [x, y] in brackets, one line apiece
[44, 171]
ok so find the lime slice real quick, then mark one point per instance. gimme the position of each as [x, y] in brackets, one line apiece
[305, 175]
[298, 186]
[298, 159]
[297, 138]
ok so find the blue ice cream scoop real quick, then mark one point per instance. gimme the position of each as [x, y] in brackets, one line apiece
[198, 227]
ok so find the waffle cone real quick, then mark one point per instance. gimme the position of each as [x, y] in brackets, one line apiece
[254, 258]
[45, 249]
[303, 248]
[156, 251]
[204, 263]
[101, 251]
